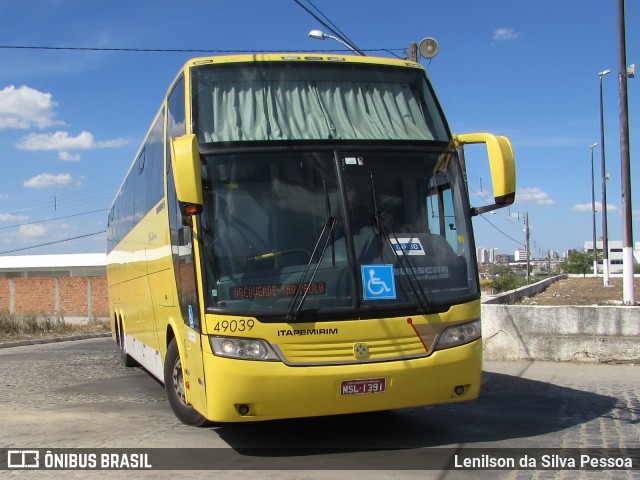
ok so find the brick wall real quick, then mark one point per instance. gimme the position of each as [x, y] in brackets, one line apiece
[73, 296]
[36, 295]
[66, 296]
[99, 296]
[5, 295]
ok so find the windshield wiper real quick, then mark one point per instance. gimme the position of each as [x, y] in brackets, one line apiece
[381, 225]
[329, 224]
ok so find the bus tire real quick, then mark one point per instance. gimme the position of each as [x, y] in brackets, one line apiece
[174, 386]
[127, 359]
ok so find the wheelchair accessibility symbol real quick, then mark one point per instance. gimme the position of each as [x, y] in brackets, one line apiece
[378, 282]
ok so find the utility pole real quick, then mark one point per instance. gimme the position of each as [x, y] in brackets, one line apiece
[413, 52]
[526, 234]
[628, 294]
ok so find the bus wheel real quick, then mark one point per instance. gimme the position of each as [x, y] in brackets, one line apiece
[126, 358]
[174, 385]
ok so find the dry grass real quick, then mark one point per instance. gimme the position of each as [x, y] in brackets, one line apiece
[21, 327]
[582, 291]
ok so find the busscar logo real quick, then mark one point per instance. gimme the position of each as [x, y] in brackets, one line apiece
[23, 459]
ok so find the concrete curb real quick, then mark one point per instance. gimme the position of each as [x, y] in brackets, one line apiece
[513, 296]
[40, 341]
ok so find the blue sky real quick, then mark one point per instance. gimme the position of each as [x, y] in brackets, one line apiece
[72, 121]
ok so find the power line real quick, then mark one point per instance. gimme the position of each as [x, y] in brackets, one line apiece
[52, 243]
[332, 26]
[52, 219]
[185, 50]
[113, 49]
[510, 238]
[335, 27]
[83, 196]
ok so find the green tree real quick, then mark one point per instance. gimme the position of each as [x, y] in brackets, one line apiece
[505, 279]
[578, 262]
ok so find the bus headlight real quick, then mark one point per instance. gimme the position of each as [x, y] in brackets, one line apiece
[459, 335]
[242, 348]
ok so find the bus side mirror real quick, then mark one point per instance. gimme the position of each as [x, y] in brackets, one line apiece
[502, 164]
[187, 173]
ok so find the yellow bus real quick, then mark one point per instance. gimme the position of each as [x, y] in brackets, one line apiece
[294, 239]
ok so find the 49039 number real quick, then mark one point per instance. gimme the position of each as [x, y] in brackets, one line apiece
[234, 326]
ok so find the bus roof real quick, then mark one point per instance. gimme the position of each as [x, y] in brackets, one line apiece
[300, 57]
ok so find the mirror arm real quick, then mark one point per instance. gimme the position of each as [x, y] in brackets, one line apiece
[474, 211]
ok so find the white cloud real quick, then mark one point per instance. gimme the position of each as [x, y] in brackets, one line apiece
[56, 141]
[8, 217]
[68, 157]
[503, 34]
[118, 142]
[581, 207]
[63, 143]
[586, 207]
[24, 107]
[32, 230]
[47, 180]
[534, 195]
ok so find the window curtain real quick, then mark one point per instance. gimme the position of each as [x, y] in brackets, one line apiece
[298, 110]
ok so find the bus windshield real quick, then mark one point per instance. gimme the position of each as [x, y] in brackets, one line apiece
[398, 236]
[314, 101]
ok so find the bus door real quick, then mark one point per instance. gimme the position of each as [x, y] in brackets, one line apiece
[190, 346]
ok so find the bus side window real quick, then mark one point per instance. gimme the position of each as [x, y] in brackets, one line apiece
[140, 197]
[440, 213]
[181, 247]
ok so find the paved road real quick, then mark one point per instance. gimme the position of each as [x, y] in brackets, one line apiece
[79, 395]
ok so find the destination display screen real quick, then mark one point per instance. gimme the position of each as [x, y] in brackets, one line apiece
[277, 290]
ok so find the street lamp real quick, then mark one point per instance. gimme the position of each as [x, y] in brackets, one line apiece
[593, 214]
[320, 35]
[605, 242]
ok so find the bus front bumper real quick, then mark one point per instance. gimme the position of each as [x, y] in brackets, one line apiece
[240, 390]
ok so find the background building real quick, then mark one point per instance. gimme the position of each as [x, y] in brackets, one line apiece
[72, 286]
[69, 265]
[482, 254]
[615, 254]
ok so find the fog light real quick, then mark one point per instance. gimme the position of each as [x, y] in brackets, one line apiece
[459, 390]
[243, 409]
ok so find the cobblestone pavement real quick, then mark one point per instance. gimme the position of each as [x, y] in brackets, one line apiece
[79, 395]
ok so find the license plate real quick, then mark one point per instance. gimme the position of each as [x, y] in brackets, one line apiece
[367, 385]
